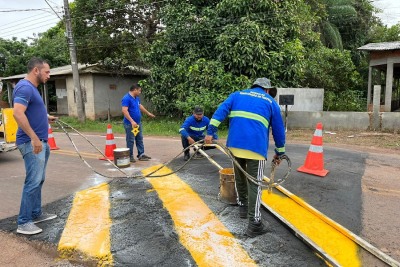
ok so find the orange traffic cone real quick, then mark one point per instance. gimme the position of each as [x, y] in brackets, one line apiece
[314, 163]
[110, 145]
[51, 140]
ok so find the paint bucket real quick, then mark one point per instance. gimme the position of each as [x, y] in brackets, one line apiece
[227, 191]
[121, 157]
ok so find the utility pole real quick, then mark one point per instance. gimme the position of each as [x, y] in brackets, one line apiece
[80, 105]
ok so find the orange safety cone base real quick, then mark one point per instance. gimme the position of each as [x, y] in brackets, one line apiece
[321, 173]
[54, 148]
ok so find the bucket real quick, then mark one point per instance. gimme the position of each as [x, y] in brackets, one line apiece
[121, 157]
[227, 191]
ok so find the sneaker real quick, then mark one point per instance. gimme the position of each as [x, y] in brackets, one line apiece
[44, 217]
[186, 157]
[198, 156]
[144, 157]
[255, 229]
[132, 160]
[243, 211]
[28, 228]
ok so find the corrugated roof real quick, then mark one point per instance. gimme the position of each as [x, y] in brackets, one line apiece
[385, 46]
[82, 68]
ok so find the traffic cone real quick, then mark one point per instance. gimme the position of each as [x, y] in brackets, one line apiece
[314, 163]
[51, 140]
[110, 145]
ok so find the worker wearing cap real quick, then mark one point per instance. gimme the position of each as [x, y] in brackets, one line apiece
[252, 113]
[193, 129]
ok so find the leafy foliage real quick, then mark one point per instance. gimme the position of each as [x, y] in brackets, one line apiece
[114, 32]
[212, 48]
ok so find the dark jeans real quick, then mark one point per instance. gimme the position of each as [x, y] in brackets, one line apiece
[131, 138]
[249, 194]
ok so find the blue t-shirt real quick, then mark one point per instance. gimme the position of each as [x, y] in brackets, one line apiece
[27, 94]
[133, 104]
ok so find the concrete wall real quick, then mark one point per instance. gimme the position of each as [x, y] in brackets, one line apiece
[389, 121]
[305, 99]
[61, 92]
[86, 84]
[108, 92]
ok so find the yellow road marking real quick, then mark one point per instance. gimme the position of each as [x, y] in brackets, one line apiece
[333, 242]
[88, 226]
[73, 153]
[204, 236]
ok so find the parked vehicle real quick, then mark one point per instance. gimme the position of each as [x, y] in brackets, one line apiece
[8, 130]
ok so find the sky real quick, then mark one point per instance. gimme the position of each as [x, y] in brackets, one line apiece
[21, 19]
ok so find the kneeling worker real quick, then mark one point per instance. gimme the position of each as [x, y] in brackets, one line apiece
[193, 128]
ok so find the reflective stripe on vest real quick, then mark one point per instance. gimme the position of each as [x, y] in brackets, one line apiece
[249, 115]
[197, 129]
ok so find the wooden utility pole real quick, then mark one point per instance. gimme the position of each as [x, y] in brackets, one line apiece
[80, 105]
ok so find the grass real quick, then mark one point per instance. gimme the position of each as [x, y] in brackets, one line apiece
[157, 126]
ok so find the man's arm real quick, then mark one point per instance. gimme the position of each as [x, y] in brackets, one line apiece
[128, 117]
[144, 110]
[23, 123]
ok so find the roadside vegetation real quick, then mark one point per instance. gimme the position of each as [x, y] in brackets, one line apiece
[201, 51]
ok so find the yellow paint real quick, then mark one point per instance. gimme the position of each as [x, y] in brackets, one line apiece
[333, 242]
[10, 126]
[88, 226]
[200, 232]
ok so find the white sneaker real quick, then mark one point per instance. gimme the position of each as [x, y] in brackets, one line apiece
[28, 228]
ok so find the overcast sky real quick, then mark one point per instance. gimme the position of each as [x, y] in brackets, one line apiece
[23, 24]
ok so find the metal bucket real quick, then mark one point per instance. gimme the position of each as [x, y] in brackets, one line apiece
[121, 157]
[227, 191]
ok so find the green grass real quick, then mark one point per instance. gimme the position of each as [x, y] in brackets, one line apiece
[157, 126]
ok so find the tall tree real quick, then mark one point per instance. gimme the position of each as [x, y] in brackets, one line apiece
[211, 48]
[115, 32]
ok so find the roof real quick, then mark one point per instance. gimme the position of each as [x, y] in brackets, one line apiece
[385, 46]
[82, 68]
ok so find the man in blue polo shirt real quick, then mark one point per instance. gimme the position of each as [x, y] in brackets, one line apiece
[33, 123]
[132, 110]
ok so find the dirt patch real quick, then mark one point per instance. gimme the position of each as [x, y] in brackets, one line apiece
[373, 142]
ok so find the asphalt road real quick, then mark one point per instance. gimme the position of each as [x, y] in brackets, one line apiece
[144, 233]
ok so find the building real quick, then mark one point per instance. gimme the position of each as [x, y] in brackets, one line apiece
[102, 89]
[384, 70]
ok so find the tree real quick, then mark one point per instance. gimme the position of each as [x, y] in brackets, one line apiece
[217, 47]
[114, 32]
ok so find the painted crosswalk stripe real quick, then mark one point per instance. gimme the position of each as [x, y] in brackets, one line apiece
[206, 238]
[88, 226]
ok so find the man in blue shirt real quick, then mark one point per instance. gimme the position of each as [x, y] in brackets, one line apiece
[252, 113]
[132, 110]
[33, 123]
[192, 129]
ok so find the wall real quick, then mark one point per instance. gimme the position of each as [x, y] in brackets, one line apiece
[305, 99]
[61, 92]
[108, 91]
[389, 121]
[87, 83]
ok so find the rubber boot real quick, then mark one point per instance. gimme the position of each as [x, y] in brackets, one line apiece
[256, 228]
[186, 157]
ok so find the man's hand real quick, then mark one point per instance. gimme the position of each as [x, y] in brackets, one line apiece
[36, 145]
[134, 124]
[190, 140]
[277, 160]
[52, 119]
[208, 139]
[151, 115]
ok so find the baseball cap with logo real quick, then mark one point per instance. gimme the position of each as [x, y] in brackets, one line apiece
[198, 110]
